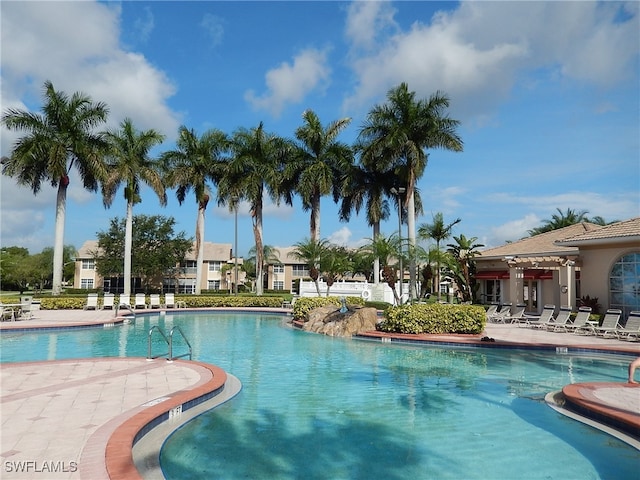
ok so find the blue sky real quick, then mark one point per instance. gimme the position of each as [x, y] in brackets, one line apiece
[547, 94]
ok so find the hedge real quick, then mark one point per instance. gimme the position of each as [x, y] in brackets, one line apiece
[434, 318]
[304, 305]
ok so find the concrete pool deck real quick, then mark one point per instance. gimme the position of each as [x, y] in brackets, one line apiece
[80, 418]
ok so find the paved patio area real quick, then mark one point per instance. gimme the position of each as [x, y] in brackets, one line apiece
[79, 418]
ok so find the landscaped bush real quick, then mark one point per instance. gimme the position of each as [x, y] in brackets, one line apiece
[434, 318]
[304, 305]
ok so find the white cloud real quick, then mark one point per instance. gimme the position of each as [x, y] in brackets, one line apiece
[145, 25]
[290, 83]
[368, 20]
[511, 231]
[340, 237]
[477, 52]
[213, 27]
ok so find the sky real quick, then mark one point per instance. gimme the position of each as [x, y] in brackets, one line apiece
[547, 95]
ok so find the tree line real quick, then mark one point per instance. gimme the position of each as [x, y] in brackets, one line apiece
[380, 168]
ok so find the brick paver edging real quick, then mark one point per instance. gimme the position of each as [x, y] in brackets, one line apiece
[118, 453]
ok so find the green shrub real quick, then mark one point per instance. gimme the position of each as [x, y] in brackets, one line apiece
[304, 305]
[434, 318]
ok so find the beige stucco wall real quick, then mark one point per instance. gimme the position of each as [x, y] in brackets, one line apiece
[596, 266]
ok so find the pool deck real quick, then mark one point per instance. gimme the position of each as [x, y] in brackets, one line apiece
[80, 418]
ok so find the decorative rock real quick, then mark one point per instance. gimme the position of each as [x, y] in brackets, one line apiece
[331, 321]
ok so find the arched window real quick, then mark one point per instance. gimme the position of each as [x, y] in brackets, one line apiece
[624, 284]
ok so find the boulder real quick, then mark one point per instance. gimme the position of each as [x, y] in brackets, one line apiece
[329, 320]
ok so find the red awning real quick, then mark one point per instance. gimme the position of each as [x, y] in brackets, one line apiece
[530, 274]
[492, 275]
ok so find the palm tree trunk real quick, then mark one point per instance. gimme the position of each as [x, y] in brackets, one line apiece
[376, 261]
[257, 233]
[411, 226]
[128, 242]
[58, 248]
[315, 218]
[199, 248]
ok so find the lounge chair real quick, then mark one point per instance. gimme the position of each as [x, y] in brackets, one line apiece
[107, 301]
[7, 313]
[25, 307]
[125, 300]
[169, 300]
[497, 317]
[631, 329]
[141, 301]
[154, 301]
[515, 314]
[92, 302]
[610, 324]
[540, 321]
[491, 311]
[581, 320]
[560, 322]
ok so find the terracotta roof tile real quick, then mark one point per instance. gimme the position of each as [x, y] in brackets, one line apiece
[627, 229]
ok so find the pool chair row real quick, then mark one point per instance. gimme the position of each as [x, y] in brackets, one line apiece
[583, 325]
[506, 313]
[140, 301]
[19, 311]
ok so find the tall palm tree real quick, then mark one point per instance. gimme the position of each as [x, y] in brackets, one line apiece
[60, 138]
[311, 253]
[464, 252]
[256, 168]
[335, 263]
[367, 187]
[438, 231]
[129, 163]
[320, 164]
[270, 255]
[399, 132]
[195, 162]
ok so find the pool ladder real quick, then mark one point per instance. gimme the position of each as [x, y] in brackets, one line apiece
[169, 340]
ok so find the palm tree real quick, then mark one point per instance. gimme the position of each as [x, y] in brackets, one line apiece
[463, 253]
[320, 164]
[398, 133]
[439, 232]
[311, 253]
[335, 263]
[129, 164]
[270, 255]
[62, 137]
[385, 249]
[255, 169]
[195, 161]
[560, 220]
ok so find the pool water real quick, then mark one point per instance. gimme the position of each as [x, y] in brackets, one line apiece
[316, 407]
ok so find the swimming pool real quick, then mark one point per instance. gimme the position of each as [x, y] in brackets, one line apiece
[320, 407]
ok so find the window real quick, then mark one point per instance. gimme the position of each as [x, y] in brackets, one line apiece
[278, 285]
[213, 284]
[187, 285]
[215, 266]
[300, 271]
[189, 266]
[88, 264]
[492, 291]
[86, 283]
[278, 268]
[624, 284]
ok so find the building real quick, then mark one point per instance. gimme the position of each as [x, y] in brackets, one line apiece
[562, 266]
[218, 271]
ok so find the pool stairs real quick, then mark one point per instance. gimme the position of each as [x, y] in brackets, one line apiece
[169, 341]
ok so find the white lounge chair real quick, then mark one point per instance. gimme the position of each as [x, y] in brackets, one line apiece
[631, 329]
[25, 307]
[7, 313]
[107, 301]
[515, 314]
[154, 301]
[491, 311]
[610, 323]
[541, 321]
[498, 316]
[125, 299]
[581, 320]
[92, 302]
[141, 301]
[169, 300]
[560, 322]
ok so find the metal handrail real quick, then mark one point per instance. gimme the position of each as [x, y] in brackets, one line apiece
[159, 330]
[171, 357]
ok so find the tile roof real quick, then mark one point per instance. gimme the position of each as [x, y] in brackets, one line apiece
[212, 251]
[543, 244]
[628, 230]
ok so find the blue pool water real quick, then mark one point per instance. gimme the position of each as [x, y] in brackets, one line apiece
[315, 407]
